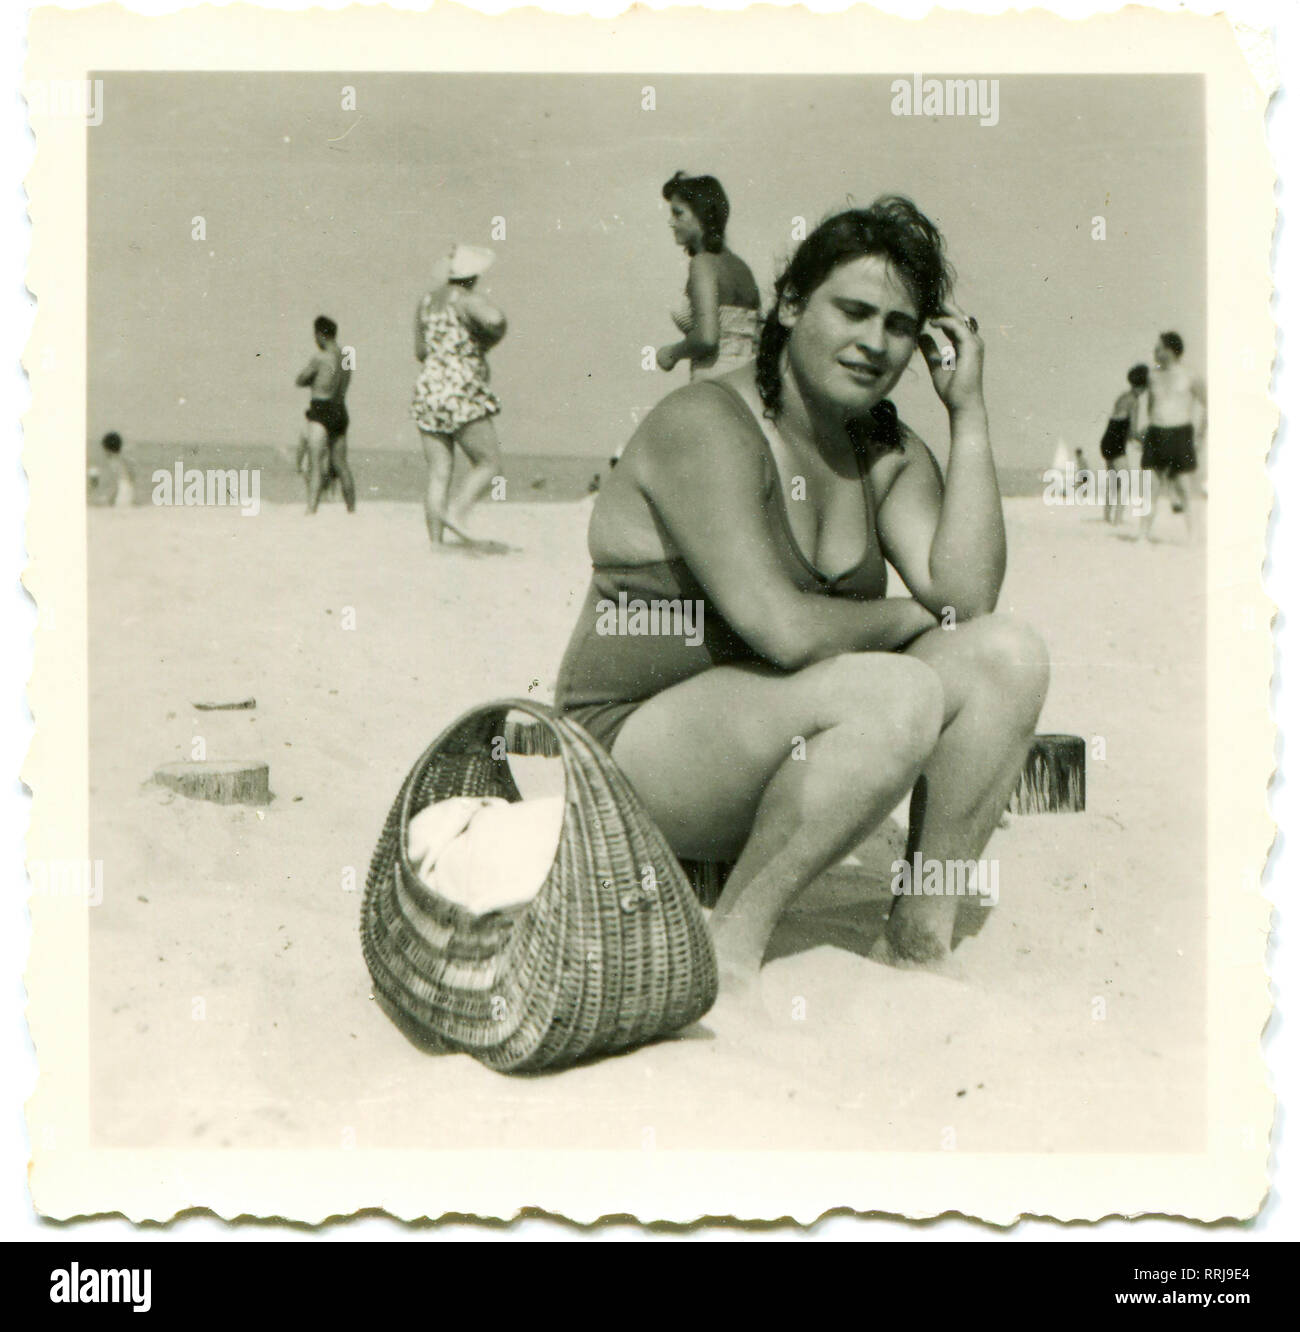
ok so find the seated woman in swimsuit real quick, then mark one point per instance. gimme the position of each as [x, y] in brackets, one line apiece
[810, 704]
[722, 311]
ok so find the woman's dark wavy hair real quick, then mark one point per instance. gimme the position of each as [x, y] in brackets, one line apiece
[1139, 377]
[706, 198]
[894, 227]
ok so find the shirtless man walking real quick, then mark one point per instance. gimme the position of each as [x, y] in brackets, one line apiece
[327, 417]
[1171, 425]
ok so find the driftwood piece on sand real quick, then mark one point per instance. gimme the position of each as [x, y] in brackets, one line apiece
[1053, 780]
[223, 781]
[238, 706]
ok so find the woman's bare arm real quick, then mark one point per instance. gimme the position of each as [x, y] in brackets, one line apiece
[488, 322]
[421, 349]
[702, 289]
[948, 541]
[706, 483]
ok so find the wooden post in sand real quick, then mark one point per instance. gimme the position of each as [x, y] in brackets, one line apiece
[1053, 780]
[223, 781]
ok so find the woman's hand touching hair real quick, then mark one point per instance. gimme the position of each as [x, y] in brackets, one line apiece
[957, 371]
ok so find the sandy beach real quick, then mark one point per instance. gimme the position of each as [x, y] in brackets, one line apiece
[229, 1000]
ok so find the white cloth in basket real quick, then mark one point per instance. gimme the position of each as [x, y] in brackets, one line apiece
[485, 853]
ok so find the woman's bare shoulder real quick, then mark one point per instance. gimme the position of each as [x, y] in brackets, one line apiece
[695, 425]
[914, 455]
[912, 442]
[743, 277]
[693, 406]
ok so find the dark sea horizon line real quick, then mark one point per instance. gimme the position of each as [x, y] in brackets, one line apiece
[397, 474]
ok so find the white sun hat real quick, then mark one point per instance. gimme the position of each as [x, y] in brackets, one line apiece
[463, 261]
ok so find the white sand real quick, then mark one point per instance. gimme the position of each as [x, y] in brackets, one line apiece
[244, 917]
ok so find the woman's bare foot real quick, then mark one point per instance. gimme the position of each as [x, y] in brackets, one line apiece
[914, 942]
[920, 951]
[486, 546]
[472, 546]
[738, 1015]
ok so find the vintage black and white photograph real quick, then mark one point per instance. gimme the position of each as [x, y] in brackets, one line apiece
[664, 612]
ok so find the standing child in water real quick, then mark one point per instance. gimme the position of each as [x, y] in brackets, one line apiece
[1119, 430]
[109, 480]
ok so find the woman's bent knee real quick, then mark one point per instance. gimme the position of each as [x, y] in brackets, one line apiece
[904, 694]
[1013, 654]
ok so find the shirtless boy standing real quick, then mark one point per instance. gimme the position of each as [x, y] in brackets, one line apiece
[1171, 425]
[327, 417]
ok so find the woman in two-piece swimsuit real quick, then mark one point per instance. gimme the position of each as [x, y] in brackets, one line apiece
[1119, 430]
[812, 704]
[721, 316]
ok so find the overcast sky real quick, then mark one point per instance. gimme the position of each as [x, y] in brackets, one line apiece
[309, 207]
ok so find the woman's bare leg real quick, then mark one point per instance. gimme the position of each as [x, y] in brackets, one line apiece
[483, 448]
[438, 454]
[1114, 511]
[788, 771]
[994, 672]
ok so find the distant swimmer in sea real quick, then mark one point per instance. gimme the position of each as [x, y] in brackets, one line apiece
[721, 316]
[109, 480]
[1121, 427]
[455, 327]
[1171, 420]
[327, 417]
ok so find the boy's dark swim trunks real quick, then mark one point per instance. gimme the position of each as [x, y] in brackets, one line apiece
[1169, 450]
[332, 415]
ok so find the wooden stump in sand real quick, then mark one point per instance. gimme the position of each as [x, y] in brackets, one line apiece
[223, 781]
[1053, 778]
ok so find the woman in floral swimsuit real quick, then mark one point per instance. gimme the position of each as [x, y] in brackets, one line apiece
[454, 328]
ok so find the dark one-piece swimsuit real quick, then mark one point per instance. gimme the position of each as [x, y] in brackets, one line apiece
[1114, 443]
[611, 667]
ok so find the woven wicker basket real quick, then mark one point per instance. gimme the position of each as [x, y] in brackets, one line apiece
[613, 951]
